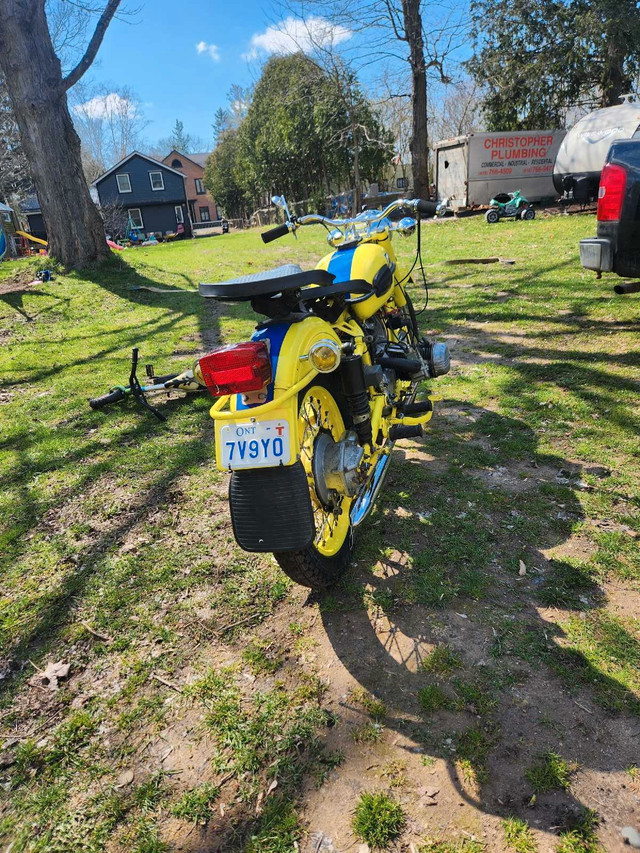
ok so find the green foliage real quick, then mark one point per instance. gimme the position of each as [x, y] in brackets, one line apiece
[377, 819]
[299, 135]
[531, 79]
[550, 773]
[518, 835]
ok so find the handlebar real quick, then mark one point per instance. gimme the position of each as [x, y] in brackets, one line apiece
[275, 233]
[421, 206]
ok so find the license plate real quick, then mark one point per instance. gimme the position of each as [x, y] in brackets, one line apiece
[262, 444]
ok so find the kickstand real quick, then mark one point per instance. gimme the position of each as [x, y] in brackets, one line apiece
[136, 389]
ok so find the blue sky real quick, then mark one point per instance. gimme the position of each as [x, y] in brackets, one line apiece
[156, 55]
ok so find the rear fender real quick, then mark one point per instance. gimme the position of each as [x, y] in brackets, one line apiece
[289, 344]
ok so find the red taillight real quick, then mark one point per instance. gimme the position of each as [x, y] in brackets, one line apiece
[236, 368]
[613, 182]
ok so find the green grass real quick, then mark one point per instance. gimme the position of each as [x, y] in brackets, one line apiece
[376, 709]
[518, 835]
[581, 837]
[433, 698]
[377, 819]
[462, 845]
[442, 660]
[551, 772]
[116, 521]
[195, 805]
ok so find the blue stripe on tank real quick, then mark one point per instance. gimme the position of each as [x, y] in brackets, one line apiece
[340, 264]
[275, 335]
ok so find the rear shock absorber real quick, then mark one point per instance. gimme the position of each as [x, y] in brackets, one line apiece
[355, 391]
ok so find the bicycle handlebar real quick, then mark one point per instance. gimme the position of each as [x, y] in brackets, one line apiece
[111, 397]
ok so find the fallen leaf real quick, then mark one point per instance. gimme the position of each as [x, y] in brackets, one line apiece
[124, 779]
[523, 569]
[272, 787]
[49, 677]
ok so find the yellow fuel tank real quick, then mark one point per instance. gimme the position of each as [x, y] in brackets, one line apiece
[368, 261]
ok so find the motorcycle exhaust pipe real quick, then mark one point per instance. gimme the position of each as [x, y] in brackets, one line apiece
[627, 287]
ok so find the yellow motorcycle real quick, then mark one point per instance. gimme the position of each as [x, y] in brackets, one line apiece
[308, 411]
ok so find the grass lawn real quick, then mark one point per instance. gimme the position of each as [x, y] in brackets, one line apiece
[486, 645]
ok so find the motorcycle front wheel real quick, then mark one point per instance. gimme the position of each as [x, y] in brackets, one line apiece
[322, 563]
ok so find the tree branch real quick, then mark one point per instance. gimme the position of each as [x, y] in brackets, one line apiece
[93, 46]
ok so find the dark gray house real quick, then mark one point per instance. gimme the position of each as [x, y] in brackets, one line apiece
[31, 209]
[151, 195]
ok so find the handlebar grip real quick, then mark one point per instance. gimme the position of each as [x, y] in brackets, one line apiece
[275, 233]
[111, 397]
[427, 208]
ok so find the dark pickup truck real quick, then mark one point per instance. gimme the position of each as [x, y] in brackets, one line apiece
[617, 246]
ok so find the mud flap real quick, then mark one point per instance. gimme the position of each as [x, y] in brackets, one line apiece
[271, 509]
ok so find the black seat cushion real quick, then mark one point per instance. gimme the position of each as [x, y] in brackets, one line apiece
[245, 287]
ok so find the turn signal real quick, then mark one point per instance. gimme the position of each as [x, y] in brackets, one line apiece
[325, 356]
[236, 368]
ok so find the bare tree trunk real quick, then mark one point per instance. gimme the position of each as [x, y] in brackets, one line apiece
[419, 145]
[614, 80]
[357, 189]
[37, 90]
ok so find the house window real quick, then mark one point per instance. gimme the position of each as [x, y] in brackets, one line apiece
[200, 187]
[135, 217]
[124, 183]
[157, 180]
[6, 216]
[204, 214]
[402, 183]
[179, 214]
[176, 164]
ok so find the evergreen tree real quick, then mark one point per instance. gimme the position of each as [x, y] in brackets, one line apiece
[538, 59]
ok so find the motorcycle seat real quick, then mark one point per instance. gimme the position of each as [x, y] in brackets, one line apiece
[268, 283]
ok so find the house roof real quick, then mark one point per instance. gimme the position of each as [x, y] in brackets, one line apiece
[127, 158]
[198, 159]
[5, 207]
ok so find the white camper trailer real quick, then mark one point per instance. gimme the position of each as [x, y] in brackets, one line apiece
[585, 147]
[473, 169]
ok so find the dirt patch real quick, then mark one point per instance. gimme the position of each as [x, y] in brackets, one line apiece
[18, 283]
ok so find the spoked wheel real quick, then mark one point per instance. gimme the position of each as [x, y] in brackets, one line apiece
[326, 559]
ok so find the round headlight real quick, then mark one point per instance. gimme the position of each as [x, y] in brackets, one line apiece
[325, 356]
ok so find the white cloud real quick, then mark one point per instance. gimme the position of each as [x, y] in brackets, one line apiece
[294, 34]
[211, 49]
[103, 106]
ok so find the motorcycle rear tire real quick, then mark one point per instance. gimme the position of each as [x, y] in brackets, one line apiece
[320, 565]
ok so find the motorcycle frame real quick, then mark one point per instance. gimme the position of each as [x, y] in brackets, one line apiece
[290, 340]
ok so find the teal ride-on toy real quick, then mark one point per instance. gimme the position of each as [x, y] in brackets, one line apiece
[509, 205]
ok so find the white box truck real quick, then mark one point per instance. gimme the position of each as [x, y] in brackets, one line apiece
[473, 169]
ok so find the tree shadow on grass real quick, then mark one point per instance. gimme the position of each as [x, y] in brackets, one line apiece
[541, 667]
[34, 612]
